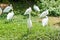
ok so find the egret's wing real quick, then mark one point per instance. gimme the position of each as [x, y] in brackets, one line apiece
[10, 15]
[44, 14]
[45, 21]
[36, 8]
[7, 9]
[28, 11]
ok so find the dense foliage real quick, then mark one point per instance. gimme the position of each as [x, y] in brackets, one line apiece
[52, 5]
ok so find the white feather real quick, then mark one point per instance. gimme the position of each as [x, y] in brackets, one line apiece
[45, 21]
[36, 8]
[28, 11]
[0, 11]
[44, 14]
[7, 9]
[10, 15]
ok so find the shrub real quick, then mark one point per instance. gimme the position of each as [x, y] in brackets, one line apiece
[52, 5]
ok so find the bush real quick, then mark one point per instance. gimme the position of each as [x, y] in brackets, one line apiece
[52, 5]
[4, 1]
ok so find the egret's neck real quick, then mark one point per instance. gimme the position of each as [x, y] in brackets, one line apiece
[29, 16]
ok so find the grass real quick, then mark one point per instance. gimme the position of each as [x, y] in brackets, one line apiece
[17, 30]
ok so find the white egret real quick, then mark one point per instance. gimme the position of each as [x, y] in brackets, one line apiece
[29, 21]
[36, 8]
[10, 15]
[45, 21]
[44, 14]
[8, 8]
[0, 11]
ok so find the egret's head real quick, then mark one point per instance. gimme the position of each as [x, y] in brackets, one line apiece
[28, 11]
[11, 6]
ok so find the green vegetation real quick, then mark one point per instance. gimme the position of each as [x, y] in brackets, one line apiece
[17, 28]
